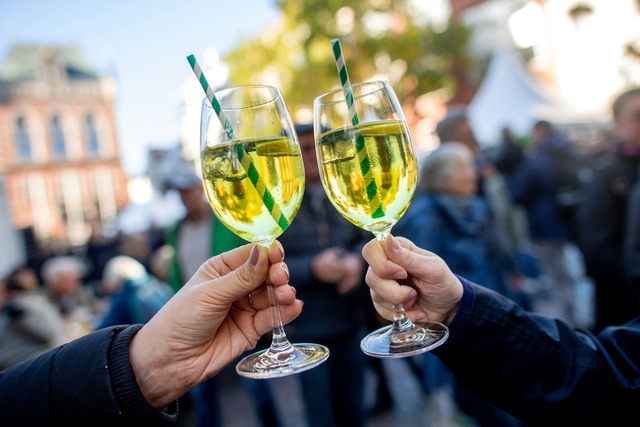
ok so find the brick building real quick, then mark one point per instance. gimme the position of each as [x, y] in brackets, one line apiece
[59, 153]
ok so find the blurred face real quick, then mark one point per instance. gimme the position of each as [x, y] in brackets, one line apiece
[627, 125]
[194, 201]
[65, 283]
[307, 147]
[461, 176]
[465, 135]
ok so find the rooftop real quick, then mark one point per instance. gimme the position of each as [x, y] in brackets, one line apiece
[43, 63]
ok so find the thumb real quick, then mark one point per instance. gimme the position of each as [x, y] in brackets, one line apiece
[405, 254]
[246, 277]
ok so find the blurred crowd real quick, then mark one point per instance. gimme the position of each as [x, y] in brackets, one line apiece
[533, 218]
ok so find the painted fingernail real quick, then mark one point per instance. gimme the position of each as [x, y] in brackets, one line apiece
[253, 257]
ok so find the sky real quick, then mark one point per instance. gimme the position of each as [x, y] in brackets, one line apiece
[144, 45]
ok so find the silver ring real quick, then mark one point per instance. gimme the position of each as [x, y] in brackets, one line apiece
[251, 302]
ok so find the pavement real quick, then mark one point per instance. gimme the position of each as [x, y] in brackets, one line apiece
[411, 407]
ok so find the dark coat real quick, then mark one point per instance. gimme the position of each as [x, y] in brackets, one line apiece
[326, 313]
[72, 385]
[601, 227]
[541, 369]
[534, 185]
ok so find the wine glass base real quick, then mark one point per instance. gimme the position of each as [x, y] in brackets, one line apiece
[389, 343]
[267, 364]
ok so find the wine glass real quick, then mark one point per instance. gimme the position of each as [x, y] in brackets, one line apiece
[369, 171]
[254, 181]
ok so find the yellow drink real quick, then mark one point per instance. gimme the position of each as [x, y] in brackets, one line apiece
[259, 199]
[392, 165]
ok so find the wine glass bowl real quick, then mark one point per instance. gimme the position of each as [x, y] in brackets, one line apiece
[369, 171]
[254, 181]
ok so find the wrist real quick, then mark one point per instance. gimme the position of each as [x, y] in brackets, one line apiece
[154, 371]
[124, 382]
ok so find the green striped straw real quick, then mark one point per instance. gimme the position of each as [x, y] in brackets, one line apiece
[361, 150]
[243, 157]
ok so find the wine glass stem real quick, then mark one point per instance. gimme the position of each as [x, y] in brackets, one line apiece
[401, 322]
[279, 342]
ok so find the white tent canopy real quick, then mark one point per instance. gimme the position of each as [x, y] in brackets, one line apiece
[508, 97]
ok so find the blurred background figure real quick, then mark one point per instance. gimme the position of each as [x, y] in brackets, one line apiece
[491, 184]
[455, 126]
[508, 154]
[448, 218]
[29, 324]
[535, 186]
[135, 294]
[78, 304]
[602, 216]
[324, 258]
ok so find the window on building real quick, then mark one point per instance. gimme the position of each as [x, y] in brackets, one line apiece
[23, 143]
[57, 137]
[93, 144]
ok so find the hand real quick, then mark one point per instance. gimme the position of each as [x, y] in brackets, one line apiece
[428, 289]
[327, 265]
[210, 321]
[354, 267]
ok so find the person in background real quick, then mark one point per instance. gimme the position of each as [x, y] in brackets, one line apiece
[136, 295]
[509, 154]
[323, 254]
[29, 324]
[455, 126]
[199, 234]
[449, 218]
[78, 304]
[131, 376]
[193, 239]
[534, 186]
[602, 215]
[537, 368]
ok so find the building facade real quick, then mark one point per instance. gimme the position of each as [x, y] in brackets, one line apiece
[59, 152]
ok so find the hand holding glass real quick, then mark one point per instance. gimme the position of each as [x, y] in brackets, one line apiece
[254, 180]
[369, 171]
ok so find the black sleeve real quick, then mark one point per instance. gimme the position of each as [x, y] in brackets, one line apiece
[125, 387]
[71, 385]
[542, 369]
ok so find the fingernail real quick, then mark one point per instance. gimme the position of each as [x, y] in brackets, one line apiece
[295, 291]
[253, 257]
[394, 243]
[400, 275]
[286, 270]
[281, 249]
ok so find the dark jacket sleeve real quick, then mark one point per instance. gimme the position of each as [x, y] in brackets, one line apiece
[631, 248]
[542, 369]
[88, 381]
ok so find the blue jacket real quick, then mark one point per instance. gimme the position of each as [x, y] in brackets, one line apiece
[464, 236]
[137, 302]
[534, 185]
[541, 369]
[87, 382]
